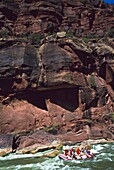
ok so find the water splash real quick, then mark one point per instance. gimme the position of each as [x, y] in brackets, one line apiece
[104, 160]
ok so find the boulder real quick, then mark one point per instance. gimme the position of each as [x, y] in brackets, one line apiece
[6, 143]
[22, 117]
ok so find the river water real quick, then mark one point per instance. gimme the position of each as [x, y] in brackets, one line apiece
[104, 160]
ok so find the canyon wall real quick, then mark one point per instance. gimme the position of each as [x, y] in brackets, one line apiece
[60, 88]
[77, 17]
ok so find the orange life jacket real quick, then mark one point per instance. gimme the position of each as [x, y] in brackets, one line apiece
[78, 151]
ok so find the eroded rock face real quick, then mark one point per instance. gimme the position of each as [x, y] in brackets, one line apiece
[61, 86]
[6, 142]
[24, 17]
[40, 138]
[60, 64]
[26, 120]
[22, 117]
[19, 63]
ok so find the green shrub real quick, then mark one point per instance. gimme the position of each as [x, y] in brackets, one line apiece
[89, 37]
[112, 116]
[83, 97]
[69, 35]
[104, 39]
[85, 39]
[92, 81]
[84, 1]
[111, 33]
[4, 34]
[52, 130]
[23, 35]
[1, 106]
[35, 38]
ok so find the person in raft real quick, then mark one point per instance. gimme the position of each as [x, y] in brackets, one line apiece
[66, 152]
[69, 152]
[72, 153]
[79, 151]
[88, 152]
[83, 152]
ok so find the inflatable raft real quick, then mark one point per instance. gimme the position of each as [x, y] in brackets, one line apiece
[68, 158]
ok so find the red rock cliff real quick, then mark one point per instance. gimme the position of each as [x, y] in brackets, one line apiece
[60, 84]
[79, 17]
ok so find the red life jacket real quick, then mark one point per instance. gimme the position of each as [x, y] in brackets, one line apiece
[78, 151]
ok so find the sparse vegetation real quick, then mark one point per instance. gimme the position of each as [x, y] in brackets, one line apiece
[69, 35]
[50, 27]
[84, 2]
[1, 106]
[112, 116]
[111, 33]
[104, 39]
[83, 97]
[89, 37]
[53, 129]
[92, 81]
[4, 34]
[85, 39]
[35, 38]
[23, 36]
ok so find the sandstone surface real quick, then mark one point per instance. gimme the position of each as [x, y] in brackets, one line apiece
[56, 73]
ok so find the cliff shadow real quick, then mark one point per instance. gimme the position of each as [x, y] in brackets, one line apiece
[66, 98]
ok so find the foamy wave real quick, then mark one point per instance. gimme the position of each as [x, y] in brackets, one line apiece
[104, 154]
[20, 156]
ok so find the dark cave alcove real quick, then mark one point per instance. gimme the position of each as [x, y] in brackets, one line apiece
[67, 98]
[107, 73]
[5, 86]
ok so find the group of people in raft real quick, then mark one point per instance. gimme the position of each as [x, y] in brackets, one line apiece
[79, 153]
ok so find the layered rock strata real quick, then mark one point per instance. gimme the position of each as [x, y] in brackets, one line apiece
[60, 88]
[79, 18]
[64, 88]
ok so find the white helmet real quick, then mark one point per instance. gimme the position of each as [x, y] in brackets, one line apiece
[66, 147]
